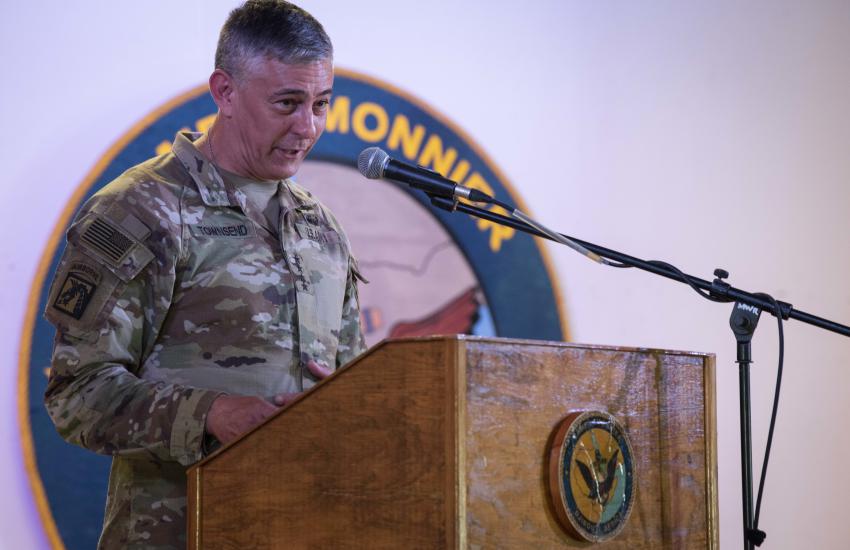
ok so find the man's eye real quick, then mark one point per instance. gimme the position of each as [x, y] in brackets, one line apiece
[321, 105]
[287, 103]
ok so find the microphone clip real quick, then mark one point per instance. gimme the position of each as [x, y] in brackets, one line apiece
[448, 205]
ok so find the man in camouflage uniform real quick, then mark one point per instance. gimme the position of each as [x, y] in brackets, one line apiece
[203, 289]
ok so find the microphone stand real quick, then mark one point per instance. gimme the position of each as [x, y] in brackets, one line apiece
[748, 306]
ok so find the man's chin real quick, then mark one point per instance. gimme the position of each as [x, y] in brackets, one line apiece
[285, 167]
[283, 170]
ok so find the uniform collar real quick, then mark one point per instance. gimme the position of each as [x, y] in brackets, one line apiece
[211, 186]
[214, 189]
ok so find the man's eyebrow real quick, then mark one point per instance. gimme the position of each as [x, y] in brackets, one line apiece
[299, 92]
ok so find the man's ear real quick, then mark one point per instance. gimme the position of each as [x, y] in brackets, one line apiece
[223, 88]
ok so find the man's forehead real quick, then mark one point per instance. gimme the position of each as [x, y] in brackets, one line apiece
[315, 76]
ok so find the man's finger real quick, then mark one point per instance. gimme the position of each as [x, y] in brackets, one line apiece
[282, 399]
[319, 371]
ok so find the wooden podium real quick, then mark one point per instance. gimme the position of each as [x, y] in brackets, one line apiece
[442, 443]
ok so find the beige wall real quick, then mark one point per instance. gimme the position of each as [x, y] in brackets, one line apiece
[708, 134]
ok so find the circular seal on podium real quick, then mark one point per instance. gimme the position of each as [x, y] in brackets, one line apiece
[591, 476]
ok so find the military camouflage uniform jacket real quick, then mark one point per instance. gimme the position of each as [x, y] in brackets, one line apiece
[172, 290]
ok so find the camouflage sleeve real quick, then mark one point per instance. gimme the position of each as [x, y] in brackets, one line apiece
[110, 295]
[351, 342]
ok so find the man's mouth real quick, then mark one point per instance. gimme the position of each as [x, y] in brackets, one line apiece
[290, 152]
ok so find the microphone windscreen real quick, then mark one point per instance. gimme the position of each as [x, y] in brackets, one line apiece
[371, 162]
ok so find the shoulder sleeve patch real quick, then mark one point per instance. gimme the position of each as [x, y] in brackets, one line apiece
[77, 290]
[101, 257]
[114, 246]
[83, 291]
[107, 241]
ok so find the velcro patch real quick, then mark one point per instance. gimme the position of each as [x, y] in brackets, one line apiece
[234, 231]
[135, 227]
[307, 231]
[77, 290]
[296, 267]
[317, 234]
[107, 240]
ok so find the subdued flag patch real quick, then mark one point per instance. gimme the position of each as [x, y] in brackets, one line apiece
[107, 239]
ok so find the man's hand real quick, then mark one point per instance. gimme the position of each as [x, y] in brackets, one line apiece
[232, 415]
[317, 370]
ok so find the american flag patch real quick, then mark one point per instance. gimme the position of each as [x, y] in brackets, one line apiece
[107, 240]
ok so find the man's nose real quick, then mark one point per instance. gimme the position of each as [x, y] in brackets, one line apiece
[305, 124]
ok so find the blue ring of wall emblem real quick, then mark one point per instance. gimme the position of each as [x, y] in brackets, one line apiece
[521, 295]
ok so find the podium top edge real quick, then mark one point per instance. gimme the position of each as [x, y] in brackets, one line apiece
[193, 469]
[541, 343]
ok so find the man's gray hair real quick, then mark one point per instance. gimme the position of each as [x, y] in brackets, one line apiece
[270, 28]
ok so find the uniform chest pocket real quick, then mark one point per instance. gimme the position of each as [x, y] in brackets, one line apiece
[321, 265]
[223, 244]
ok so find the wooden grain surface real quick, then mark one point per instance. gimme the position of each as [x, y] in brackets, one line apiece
[442, 442]
[366, 460]
[516, 396]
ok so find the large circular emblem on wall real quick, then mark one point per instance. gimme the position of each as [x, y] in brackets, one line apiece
[430, 271]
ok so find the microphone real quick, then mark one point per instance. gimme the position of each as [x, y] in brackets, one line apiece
[375, 163]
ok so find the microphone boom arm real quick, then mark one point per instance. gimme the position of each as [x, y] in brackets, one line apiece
[718, 290]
